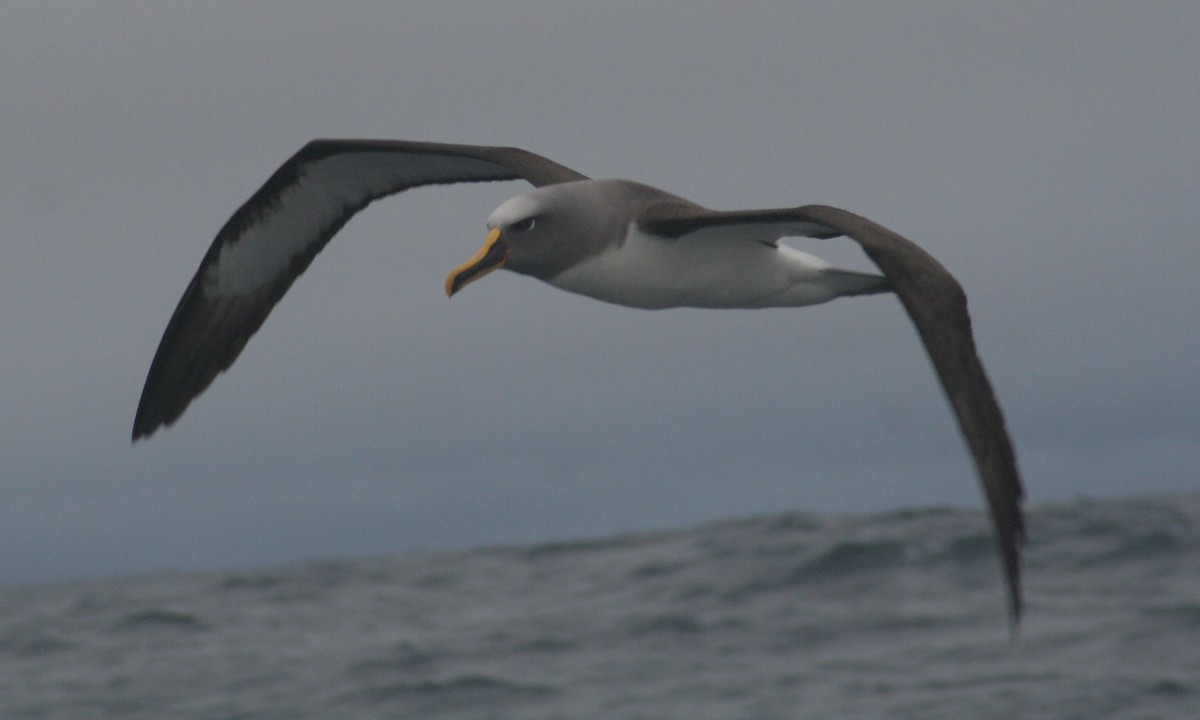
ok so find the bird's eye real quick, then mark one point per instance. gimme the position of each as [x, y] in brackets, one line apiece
[524, 225]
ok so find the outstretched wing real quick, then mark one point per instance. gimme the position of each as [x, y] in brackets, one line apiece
[273, 237]
[938, 308]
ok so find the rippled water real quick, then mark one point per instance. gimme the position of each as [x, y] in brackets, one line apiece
[792, 616]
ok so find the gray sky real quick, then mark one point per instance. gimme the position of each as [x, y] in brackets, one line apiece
[1047, 153]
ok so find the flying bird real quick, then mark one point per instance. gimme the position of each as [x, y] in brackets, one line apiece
[614, 240]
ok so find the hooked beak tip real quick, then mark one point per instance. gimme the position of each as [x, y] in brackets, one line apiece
[492, 255]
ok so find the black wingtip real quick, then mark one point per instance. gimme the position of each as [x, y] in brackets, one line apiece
[1011, 557]
[146, 421]
[141, 430]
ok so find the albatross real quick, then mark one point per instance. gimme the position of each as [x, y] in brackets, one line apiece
[613, 240]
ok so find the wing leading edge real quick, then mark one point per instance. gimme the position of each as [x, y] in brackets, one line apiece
[937, 306]
[272, 238]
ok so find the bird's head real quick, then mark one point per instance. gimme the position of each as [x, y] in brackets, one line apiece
[539, 234]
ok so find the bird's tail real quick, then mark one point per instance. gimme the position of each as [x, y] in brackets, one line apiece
[850, 282]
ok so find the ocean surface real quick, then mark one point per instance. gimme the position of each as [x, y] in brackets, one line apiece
[892, 616]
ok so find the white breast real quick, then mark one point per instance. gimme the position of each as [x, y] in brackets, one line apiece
[710, 269]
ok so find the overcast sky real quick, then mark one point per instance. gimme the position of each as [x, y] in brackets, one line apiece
[1047, 153]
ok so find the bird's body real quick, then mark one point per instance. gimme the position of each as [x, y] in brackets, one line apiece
[716, 272]
[728, 266]
[613, 240]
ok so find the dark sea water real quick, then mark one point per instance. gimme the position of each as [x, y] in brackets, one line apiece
[792, 616]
